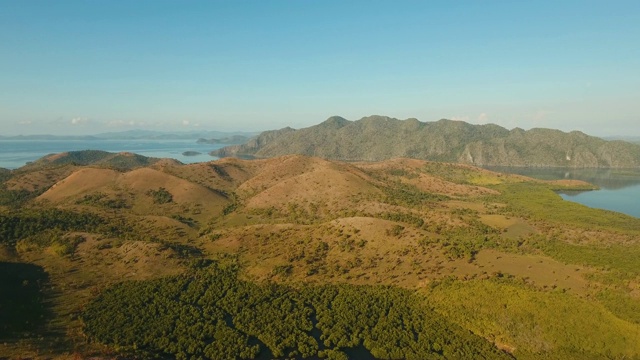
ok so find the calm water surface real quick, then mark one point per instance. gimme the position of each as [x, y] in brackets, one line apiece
[619, 189]
[16, 153]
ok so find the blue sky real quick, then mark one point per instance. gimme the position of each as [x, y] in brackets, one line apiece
[80, 67]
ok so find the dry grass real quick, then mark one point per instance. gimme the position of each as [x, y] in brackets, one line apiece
[39, 179]
[539, 270]
[343, 239]
[80, 182]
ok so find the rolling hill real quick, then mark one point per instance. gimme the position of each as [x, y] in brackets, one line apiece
[297, 256]
[378, 138]
[119, 161]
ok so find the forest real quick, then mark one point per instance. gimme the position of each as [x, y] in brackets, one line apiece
[210, 313]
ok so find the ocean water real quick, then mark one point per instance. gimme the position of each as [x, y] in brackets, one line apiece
[625, 200]
[16, 153]
[619, 189]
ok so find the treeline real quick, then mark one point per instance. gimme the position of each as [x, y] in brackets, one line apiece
[399, 193]
[20, 224]
[102, 200]
[14, 198]
[209, 313]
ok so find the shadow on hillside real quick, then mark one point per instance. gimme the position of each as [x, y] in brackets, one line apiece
[23, 309]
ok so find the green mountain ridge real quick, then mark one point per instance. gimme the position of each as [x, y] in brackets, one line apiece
[377, 138]
[119, 161]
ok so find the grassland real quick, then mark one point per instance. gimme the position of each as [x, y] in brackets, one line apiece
[501, 256]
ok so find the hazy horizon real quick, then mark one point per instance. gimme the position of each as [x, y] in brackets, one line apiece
[72, 68]
[87, 131]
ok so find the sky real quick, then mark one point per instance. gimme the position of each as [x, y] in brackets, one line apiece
[84, 67]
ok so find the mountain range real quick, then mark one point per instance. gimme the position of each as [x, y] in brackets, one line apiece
[377, 138]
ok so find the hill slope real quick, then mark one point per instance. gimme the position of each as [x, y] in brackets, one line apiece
[120, 161]
[378, 138]
[298, 256]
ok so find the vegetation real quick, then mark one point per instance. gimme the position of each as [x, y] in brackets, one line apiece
[399, 259]
[22, 305]
[528, 199]
[16, 225]
[102, 200]
[378, 138]
[160, 196]
[15, 198]
[539, 324]
[209, 313]
[120, 161]
[399, 193]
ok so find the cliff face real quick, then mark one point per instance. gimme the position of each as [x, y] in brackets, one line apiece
[544, 148]
[378, 138]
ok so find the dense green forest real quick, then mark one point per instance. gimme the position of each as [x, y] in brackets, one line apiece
[20, 224]
[210, 313]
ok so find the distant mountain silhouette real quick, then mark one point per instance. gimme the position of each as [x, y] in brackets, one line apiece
[376, 138]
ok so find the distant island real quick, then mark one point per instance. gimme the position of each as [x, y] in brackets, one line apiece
[235, 139]
[191, 153]
[378, 138]
[226, 137]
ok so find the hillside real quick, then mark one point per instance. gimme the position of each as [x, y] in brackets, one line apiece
[304, 257]
[120, 161]
[377, 138]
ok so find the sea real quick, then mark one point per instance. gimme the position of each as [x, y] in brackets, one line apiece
[619, 189]
[17, 153]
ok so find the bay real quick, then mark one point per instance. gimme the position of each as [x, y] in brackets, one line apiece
[17, 153]
[619, 188]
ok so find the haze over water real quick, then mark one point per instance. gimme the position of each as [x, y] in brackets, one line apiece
[16, 153]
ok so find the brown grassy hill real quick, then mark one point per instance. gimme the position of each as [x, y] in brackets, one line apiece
[471, 241]
[80, 182]
[224, 175]
[300, 180]
[417, 173]
[110, 189]
[38, 180]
